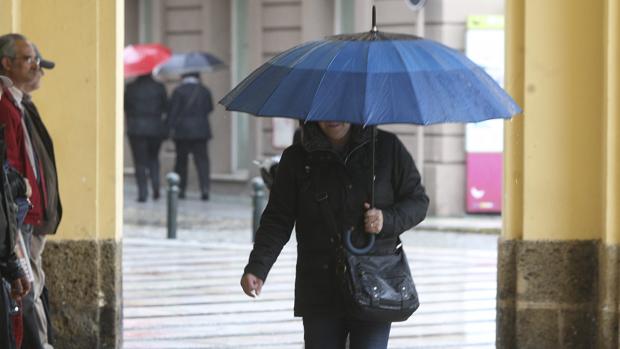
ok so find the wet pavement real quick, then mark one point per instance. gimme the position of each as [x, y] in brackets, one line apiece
[185, 293]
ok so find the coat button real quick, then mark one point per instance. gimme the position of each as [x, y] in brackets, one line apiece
[350, 186]
[325, 266]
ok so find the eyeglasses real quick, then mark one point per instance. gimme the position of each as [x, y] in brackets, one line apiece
[29, 59]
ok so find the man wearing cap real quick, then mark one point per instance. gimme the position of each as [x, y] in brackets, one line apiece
[30, 151]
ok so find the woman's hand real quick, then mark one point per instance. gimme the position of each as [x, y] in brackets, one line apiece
[251, 284]
[373, 219]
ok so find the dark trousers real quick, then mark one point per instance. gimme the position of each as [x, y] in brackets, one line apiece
[198, 149]
[145, 151]
[7, 339]
[331, 333]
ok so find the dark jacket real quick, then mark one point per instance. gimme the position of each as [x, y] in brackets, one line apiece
[188, 115]
[145, 104]
[292, 202]
[9, 265]
[44, 148]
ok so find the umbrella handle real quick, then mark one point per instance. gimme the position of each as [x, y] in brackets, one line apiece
[357, 251]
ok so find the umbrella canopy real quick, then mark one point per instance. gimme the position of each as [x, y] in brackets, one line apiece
[372, 78]
[191, 62]
[142, 59]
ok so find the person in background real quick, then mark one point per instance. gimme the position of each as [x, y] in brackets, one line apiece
[145, 104]
[14, 284]
[37, 322]
[30, 151]
[188, 122]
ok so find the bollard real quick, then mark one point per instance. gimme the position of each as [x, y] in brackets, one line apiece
[259, 202]
[173, 180]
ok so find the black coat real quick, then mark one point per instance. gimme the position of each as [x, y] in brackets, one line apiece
[44, 147]
[145, 104]
[292, 202]
[188, 115]
[9, 265]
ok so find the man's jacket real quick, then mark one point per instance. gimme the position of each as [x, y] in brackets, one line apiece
[145, 104]
[10, 117]
[44, 148]
[188, 115]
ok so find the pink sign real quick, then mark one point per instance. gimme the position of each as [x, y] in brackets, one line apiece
[484, 182]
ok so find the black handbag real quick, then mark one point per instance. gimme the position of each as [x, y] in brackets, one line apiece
[375, 287]
[379, 287]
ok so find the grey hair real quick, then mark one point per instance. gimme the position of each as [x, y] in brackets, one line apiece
[7, 45]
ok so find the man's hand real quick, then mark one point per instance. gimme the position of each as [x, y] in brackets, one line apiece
[20, 287]
[373, 219]
[251, 284]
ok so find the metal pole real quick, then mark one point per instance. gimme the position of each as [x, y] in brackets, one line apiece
[259, 202]
[173, 180]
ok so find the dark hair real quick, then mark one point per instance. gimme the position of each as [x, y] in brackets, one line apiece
[7, 45]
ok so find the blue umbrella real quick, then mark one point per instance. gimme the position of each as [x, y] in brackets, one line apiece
[191, 62]
[372, 78]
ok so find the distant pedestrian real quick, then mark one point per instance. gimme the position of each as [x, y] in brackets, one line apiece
[145, 104]
[188, 120]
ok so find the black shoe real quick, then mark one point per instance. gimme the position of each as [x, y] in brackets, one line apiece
[181, 195]
[141, 199]
[156, 195]
[205, 197]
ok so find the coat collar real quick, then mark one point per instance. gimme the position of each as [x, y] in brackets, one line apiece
[313, 139]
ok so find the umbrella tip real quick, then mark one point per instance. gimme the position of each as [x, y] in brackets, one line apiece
[374, 19]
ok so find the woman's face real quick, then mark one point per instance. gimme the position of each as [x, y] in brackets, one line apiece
[336, 132]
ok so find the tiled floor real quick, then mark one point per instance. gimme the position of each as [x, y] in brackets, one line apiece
[184, 294]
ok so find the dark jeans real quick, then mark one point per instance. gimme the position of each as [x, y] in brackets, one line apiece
[7, 338]
[331, 333]
[198, 149]
[145, 151]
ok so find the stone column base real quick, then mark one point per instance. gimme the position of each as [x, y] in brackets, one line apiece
[557, 294]
[84, 282]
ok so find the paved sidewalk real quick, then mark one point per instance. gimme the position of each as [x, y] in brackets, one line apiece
[180, 294]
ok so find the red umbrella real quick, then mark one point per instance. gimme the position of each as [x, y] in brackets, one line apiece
[141, 59]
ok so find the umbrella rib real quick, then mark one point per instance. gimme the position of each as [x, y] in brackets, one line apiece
[316, 91]
[320, 44]
[413, 89]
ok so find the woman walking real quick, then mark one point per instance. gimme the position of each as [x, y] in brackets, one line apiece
[333, 162]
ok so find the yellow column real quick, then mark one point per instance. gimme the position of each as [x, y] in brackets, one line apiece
[556, 180]
[609, 294]
[10, 16]
[564, 89]
[512, 207]
[81, 102]
[612, 209]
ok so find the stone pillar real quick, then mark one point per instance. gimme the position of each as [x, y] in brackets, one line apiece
[81, 103]
[609, 273]
[558, 255]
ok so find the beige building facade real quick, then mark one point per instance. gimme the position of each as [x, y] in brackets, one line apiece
[246, 33]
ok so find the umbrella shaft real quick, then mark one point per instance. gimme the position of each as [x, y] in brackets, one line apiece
[372, 184]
